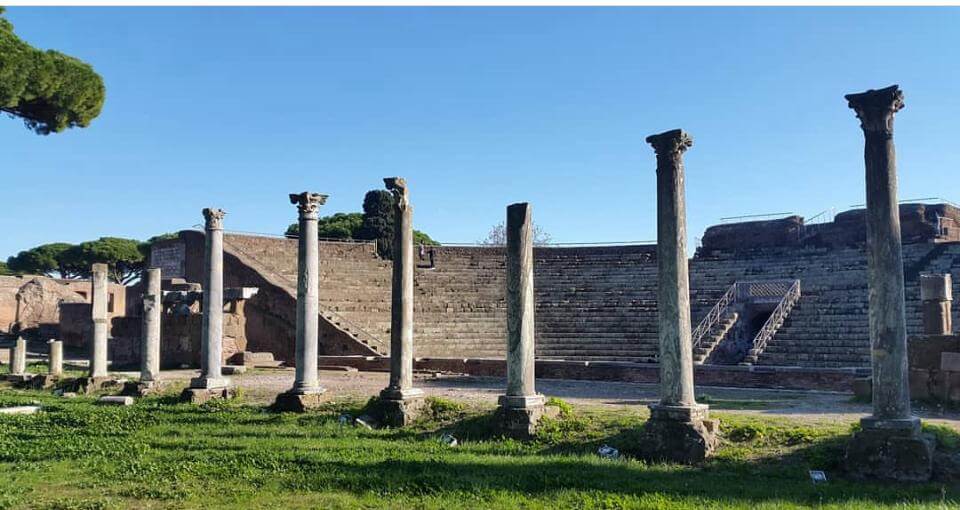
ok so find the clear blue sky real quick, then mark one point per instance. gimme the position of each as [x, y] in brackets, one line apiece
[477, 108]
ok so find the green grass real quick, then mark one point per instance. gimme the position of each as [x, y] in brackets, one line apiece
[162, 454]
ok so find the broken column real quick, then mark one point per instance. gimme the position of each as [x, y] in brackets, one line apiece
[400, 401]
[99, 300]
[679, 429]
[18, 358]
[55, 358]
[936, 298]
[521, 408]
[211, 383]
[306, 392]
[889, 445]
[150, 337]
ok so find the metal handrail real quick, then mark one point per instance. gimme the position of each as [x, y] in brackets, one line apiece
[356, 329]
[714, 315]
[773, 323]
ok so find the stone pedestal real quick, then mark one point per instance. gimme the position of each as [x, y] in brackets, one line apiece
[201, 395]
[306, 392]
[55, 358]
[890, 446]
[88, 385]
[519, 416]
[521, 408]
[211, 383]
[679, 429]
[683, 434]
[99, 315]
[936, 297]
[400, 402]
[890, 450]
[143, 388]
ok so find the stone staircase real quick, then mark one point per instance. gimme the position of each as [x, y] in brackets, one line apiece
[713, 337]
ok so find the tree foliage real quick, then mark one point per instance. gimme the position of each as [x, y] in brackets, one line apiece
[4, 270]
[498, 236]
[337, 226]
[46, 259]
[125, 258]
[50, 91]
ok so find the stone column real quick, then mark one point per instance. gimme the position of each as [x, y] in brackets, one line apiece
[679, 429]
[99, 299]
[18, 358]
[55, 358]
[936, 297]
[150, 344]
[211, 376]
[306, 389]
[889, 445]
[401, 402]
[521, 408]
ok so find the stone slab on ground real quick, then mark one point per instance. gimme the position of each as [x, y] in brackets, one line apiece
[20, 410]
[116, 401]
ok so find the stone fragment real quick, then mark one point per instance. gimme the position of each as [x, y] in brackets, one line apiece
[20, 410]
[116, 400]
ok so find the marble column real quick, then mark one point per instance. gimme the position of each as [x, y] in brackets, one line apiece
[936, 299]
[876, 451]
[99, 298]
[679, 429]
[211, 340]
[18, 357]
[55, 358]
[521, 408]
[306, 386]
[401, 401]
[150, 343]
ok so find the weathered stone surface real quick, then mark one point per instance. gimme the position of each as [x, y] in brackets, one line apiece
[201, 395]
[150, 327]
[519, 416]
[88, 385]
[299, 402]
[400, 410]
[38, 303]
[684, 442]
[306, 380]
[234, 369]
[891, 455]
[20, 410]
[44, 381]
[115, 400]
[55, 358]
[99, 316]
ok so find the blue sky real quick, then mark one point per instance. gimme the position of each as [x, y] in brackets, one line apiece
[477, 108]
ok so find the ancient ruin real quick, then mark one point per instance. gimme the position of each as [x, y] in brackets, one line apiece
[889, 446]
[306, 392]
[679, 429]
[400, 402]
[521, 408]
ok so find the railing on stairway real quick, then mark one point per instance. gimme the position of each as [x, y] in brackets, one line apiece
[776, 319]
[355, 330]
[714, 315]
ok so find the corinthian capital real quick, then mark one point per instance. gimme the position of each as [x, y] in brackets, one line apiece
[398, 186]
[875, 109]
[308, 203]
[214, 218]
[673, 142]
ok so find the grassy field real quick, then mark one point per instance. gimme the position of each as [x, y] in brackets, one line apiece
[162, 454]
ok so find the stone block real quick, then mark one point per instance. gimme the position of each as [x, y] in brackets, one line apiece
[919, 384]
[115, 401]
[233, 369]
[519, 416]
[863, 388]
[298, 402]
[201, 395]
[88, 385]
[950, 361]
[400, 410]
[44, 381]
[19, 410]
[683, 442]
[901, 455]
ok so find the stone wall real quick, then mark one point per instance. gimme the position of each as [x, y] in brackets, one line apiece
[32, 305]
[935, 368]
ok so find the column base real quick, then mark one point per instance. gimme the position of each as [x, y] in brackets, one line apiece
[142, 388]
[518, 416]
[88, 385]
[201, 395]
[399, 408]
[209, 383]
[892, 450]
[44, 381]
[681, 434]
[300, 401]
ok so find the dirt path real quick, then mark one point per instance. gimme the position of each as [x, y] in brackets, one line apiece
[262, 386]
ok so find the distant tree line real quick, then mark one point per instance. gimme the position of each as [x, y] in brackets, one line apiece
[125, 258]
[375, 223]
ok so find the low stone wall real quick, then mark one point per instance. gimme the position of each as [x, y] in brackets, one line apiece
[935, 368]
[789, 378]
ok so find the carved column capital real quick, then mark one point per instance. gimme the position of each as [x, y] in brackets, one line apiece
[308, 204]
[670, 143]
[876, 109]
[398, 186]
[213, 218]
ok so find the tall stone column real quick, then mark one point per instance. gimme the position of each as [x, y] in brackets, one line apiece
[150, 344]
[99, 298]
[401, 402]
[18, 358]
[55, 358]
[521, 408]
[306, 390]
[679, 429]
[936, 299]
[211, 346]
[889, 445]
